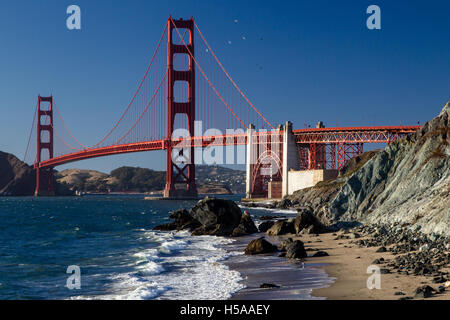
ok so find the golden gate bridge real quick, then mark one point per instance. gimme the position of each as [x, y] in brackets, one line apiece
[183, 84]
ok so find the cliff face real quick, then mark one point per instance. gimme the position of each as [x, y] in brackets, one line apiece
[407, 183]
[16, 177]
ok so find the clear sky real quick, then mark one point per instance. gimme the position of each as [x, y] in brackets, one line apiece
[317, 61]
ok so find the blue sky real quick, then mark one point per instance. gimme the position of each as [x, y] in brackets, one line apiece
[319, 61]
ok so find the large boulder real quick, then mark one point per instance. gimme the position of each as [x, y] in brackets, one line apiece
[245, 227]
[281, 227]
[266, 225]
[217, 216]
[305, 220]
[295, 249]
[259, 246]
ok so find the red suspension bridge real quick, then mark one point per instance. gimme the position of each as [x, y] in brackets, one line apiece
[184, 84]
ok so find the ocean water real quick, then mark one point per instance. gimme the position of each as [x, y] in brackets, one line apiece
[110, 239]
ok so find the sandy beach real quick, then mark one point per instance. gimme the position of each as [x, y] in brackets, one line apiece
[348, 263]
[342, 275]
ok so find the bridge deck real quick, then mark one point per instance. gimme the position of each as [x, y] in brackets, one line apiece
[314, 135]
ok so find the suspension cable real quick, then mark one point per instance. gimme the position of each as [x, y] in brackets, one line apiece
[134, 96]
[201, 70]
[31, 133]
[67, 129]
[229, 77]
[145, 110]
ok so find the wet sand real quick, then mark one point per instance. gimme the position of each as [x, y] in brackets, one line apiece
[295, 279]
[340, 276]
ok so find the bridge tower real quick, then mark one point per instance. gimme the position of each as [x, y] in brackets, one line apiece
[182, 174]
[44, 176]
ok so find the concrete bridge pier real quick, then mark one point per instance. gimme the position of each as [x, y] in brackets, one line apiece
[291, 159]
[251, 158]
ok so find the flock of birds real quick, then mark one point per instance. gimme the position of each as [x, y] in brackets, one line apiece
[243, 37]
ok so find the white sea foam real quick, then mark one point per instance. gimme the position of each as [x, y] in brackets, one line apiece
[272, 210]
[169, 246]
[180, 267]
[150, 268]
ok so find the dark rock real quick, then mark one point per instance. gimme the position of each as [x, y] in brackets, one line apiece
[263, 218]
[245, 227]
[424, 292]
[282, 246]
[295, 249]
[405, 298]
[354, 235]
[320, 254]
[304, 219]
[376, 261]
[381, 249]
[284, 204]
[266, 225]
[282, 254]
[268, 286]
[399, 293]
[385, 271]
[441, 289]
[439, 279]
[217, 216]
[281, 228]
[259, 246]
[308, 230]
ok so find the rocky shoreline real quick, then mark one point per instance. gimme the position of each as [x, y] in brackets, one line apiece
[413, 253]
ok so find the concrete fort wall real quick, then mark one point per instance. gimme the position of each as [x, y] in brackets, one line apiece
[298, 180]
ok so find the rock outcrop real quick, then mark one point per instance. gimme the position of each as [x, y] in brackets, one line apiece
[245, 227]
[407, 183]
[259, 246]
[217, 216]
[212, 216]
[281, 227]
[19, 179]
[266, 225]
[295, 249]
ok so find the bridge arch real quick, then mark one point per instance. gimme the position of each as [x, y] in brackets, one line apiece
[268, 167]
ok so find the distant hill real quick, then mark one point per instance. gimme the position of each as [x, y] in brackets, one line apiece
[16, 177]
[19, 179]
[210, 179]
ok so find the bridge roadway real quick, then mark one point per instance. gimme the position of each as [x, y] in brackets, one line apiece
[380, 134]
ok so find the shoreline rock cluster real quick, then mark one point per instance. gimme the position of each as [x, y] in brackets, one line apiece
[211, 216]
[416, 253]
